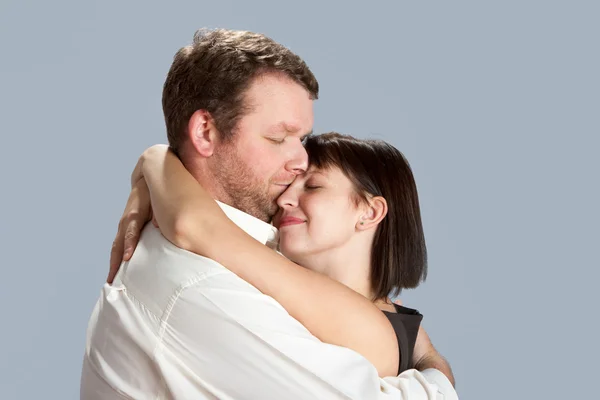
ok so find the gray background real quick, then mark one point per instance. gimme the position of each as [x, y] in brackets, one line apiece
[496, 105]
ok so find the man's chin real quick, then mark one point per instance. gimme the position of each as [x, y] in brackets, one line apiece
[268, 208]
[273, 210]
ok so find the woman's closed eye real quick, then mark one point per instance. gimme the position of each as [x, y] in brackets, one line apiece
[312, 186]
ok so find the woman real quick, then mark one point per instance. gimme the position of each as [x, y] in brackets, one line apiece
[353, 216]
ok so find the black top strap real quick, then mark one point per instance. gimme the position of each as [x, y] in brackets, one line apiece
[406, 322]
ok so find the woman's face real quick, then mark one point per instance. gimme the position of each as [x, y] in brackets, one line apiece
[317, 213]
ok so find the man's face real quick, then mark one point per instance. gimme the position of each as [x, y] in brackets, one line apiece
[266, 152]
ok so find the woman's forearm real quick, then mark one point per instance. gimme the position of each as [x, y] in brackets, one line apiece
[172, 191]
[137, 173]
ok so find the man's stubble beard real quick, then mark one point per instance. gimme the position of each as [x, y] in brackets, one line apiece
[245, 191]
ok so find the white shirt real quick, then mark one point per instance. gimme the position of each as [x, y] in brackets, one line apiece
[175, 325]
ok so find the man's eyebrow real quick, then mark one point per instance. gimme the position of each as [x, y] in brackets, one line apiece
[290, 129]
[283, 127]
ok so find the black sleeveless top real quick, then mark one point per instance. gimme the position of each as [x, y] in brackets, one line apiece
[406, 324]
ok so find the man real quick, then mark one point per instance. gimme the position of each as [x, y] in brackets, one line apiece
[172, 325]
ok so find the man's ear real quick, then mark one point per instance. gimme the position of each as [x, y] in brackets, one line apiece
[374, 211]
[202, 133]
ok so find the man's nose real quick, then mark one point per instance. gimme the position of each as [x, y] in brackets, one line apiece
[299, 162]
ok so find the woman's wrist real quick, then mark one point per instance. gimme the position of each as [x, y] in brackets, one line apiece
[157, 150]
[137, 173]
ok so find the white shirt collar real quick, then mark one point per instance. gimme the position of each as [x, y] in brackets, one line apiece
[265, 233]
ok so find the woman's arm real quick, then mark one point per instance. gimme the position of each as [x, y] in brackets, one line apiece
[192, 220]
[137, 213]
[426, 356]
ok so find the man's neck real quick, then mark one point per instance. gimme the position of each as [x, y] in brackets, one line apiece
[209, 182]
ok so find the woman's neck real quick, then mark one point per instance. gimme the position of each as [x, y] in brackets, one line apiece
[350, 271]
[347, 265]
[385, 305]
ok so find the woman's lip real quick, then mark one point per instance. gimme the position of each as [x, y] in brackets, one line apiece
[290, 221]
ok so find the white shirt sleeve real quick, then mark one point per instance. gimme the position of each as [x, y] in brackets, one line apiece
[222, 336]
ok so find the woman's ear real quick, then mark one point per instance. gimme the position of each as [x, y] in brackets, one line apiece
[374, 211]
[202, 133]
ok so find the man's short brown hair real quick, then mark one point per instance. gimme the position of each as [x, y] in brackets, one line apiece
[214, 72]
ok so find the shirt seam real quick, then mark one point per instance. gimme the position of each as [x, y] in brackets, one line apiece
[178, 291]
[165, 316]
[162, 384]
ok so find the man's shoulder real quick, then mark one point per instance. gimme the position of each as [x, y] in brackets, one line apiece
[158, 269]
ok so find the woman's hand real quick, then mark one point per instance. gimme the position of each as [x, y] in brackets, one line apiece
[138, 212]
